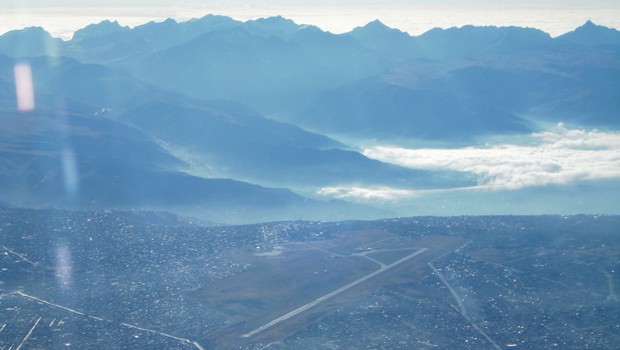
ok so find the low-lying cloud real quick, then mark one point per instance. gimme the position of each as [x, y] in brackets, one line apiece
[366, 193]
[558, 157]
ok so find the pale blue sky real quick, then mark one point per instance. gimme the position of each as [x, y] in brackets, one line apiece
[158, 3]
[62, 17]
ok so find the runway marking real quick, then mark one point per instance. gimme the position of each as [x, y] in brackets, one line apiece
[21, 256]
[610, 282]
[312, 246]
[29, 334]
[104, 320]
[462, 307]
[50, 303]
[365, 254]
[331, 294]
[198, 346]
[463, 246]
[495, 264]
[7, 294]
[156, 332]
[373, 260]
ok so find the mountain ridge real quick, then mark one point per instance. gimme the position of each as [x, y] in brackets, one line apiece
[256, 104]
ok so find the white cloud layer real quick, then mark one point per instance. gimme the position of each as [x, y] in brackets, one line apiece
[370, 194]
[558, 157]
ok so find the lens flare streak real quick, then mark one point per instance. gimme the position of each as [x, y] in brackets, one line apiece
[64, 267]
[24, 88]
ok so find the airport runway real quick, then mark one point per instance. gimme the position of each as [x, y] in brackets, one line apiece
[331, 294]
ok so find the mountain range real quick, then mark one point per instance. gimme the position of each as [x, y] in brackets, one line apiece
[246, 121]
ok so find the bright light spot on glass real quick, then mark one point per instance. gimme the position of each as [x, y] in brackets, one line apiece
[64, 267]
[70, 172]
[24, 88]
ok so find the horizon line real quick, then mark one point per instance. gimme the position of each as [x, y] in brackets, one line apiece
[179, 21]
[63, 23]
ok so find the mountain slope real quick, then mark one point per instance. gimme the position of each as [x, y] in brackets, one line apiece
[231, 140]
[476, 42]
[108, 42]
[376, 107]
[71, 161]
[27, 42]
[268, 74]
[387, 41]
[590, 34]
[341, 53]
[248, 147]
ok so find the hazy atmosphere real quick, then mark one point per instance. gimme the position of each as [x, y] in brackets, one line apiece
[388, 117]
[62, 18]
[284, 175]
